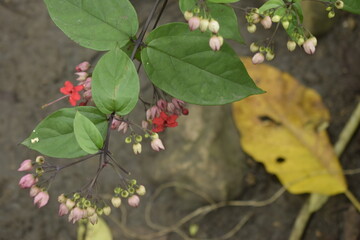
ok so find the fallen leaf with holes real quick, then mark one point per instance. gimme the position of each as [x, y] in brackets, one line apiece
[285, 129]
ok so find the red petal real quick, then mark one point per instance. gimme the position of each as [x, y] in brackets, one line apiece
[159, 128]
[172, 119]
[78, 88]
[158, 121]
[76, 96]
[72, 101]
[163, 115]
[64, 91]
[174, 124]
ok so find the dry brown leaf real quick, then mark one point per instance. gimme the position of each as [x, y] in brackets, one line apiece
[285, 129]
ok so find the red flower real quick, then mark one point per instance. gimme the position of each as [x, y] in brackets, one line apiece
[72, 92]
[164, 121]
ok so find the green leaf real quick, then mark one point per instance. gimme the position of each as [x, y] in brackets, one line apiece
[87, 135]
[182, 64]
[99, 25]
[223, 1]
[352, 6]
[224, 14]
[297, 10]
[271, 4]
[115, 83]
[56, 136]
[99, 231]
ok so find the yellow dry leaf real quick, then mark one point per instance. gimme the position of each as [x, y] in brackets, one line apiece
[284, 129]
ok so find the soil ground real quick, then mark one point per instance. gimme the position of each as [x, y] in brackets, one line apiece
[36, 57]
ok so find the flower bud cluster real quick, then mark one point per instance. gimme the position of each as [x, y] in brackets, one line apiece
[204, 23]
[40, 195]
[136, 140]
[331, 7]
[253, 17]
[84, 78]
[261, 53]
[131, 193]
[82, 208]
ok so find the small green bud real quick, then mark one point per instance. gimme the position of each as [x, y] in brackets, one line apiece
[99, 211]
[131, 190]
[124, 194]
[107, 210]
[128, 140]
[251, 28]
[188, 15]
[262, 49]
[276, 18]
[76, 196]
[138, 138]
[291, 45]
[331, 14]
[285, 24]
[328, 9]
[133, 182]
[87, 203]
[116, 202]
[141, 190]
[339, 4]
[196, 10]
[147, 135]
[254, 47]
[40, 159]
[300, 41]
[39, 171]
[269, 56]
[117, 190]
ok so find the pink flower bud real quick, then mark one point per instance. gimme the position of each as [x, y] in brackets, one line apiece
[27, 181]
[194, 23]
[258, 58]
[266, 22]
[215, 43]
[26, 165]
[178, 103]
[134, 201]
[153, 112]
[41, 199]
[309, 46]
[75, 215]
[170, 107]
[144, 124]
[162, 104]
[63, 210]
[82, 67]
[34, 190]
[87, 95]
[87, 83]
[214, 26]
[115, 123]
[157, 145]
[81, 76]
[123, 127]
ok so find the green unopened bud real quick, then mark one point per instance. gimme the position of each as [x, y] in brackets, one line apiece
[141, 190]
[116, 202]
[62, 198]
[117, 190]
[204, 24]
[328, 9]
[99, 211]
[331, 14]
[254, 47]
[155, 136]
[124, 194]
[133, 182]
[314, 40]
[40, 159]
[251, 28]
[147, 135]
[262, 49]
[87, 203]
[269, 56]
[300, 41]
[285, 24]
[131, 190]
[128, 140]
[107, 210]
[196, 10]
[276, 18]
[188, 15]
[90, 211]
[138, 138]
[39, 171]
[339, 4]
[291, 45]
[76, 196]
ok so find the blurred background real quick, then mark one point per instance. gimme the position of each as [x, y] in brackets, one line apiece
[203, 151]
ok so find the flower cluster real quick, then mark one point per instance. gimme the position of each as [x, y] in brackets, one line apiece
[84, 78]
[261, 53]
[198, 20]
[30, 180]
[132, 193]
[331, 7]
